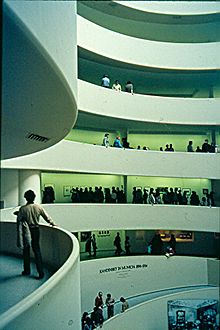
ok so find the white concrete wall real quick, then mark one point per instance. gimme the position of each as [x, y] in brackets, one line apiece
[9, 187]
[51, 305]
[153, 315]
[59, 40]
[145, 108]
[150, 53]
[71, 156]
[173, 8]
[123, 276]
[92, 217]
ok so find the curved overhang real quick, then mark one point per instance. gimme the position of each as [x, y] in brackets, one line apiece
[160, 55]
[38, 104]
[194, 22]
[68, 156]
[99, 101]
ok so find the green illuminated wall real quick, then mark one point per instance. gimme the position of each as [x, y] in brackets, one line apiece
[153, 141]
[147, 182]
[92, 137]
[59, 180]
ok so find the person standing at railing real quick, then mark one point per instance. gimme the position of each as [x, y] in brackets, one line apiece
[28, 218]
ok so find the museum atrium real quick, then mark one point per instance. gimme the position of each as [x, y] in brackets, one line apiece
[55, 114]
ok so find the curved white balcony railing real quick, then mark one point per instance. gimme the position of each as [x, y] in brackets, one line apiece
[61, 252]
[145, 108]
[153, 54]
[68, 156]
[194, 22]
[91, 217]
[173, 8]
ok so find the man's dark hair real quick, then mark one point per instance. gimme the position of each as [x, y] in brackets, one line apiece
[29, 195]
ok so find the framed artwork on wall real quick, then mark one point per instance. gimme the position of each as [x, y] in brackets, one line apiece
[205, 191]
[49, 185]
[66, 191]
[188, 191]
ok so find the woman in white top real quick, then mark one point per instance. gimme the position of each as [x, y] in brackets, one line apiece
[116, 86]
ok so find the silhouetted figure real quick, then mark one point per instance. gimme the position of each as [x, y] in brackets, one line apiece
[127, 246]
[145, 196]
[171, 148]
[180, 197]
[161, 148]
[107, 195]
[125, 143]
[194, 199]
[190, 147]
[117, 244]
[94, 245]
[185, 198]
[206, 146]
[139, 197]
[86, 321]
[167, 148]
[166, 196]
[88, 245]
[134, 195]
[198, 149]
[97, 316]
[157, 244]
[48, 195]
[113, 195]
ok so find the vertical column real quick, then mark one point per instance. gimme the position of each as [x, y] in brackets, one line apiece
[29, 179]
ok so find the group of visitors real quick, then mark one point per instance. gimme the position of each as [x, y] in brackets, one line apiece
[96, 318]
[123, 143]
[91, 245]
[206, 147]
[88, 195]
[171, 196]
[116, 85]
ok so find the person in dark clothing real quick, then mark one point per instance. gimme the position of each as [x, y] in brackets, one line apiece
[94, 246]
[127, 246]
[194, 199]
[110, 305]
[171, 148]
[117, 244]
[198, 149]
[87, 323]
[157, 245]
[97, 316]
[206, 146]
[88, 245]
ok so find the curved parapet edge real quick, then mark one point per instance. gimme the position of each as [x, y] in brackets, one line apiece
[46, 300]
